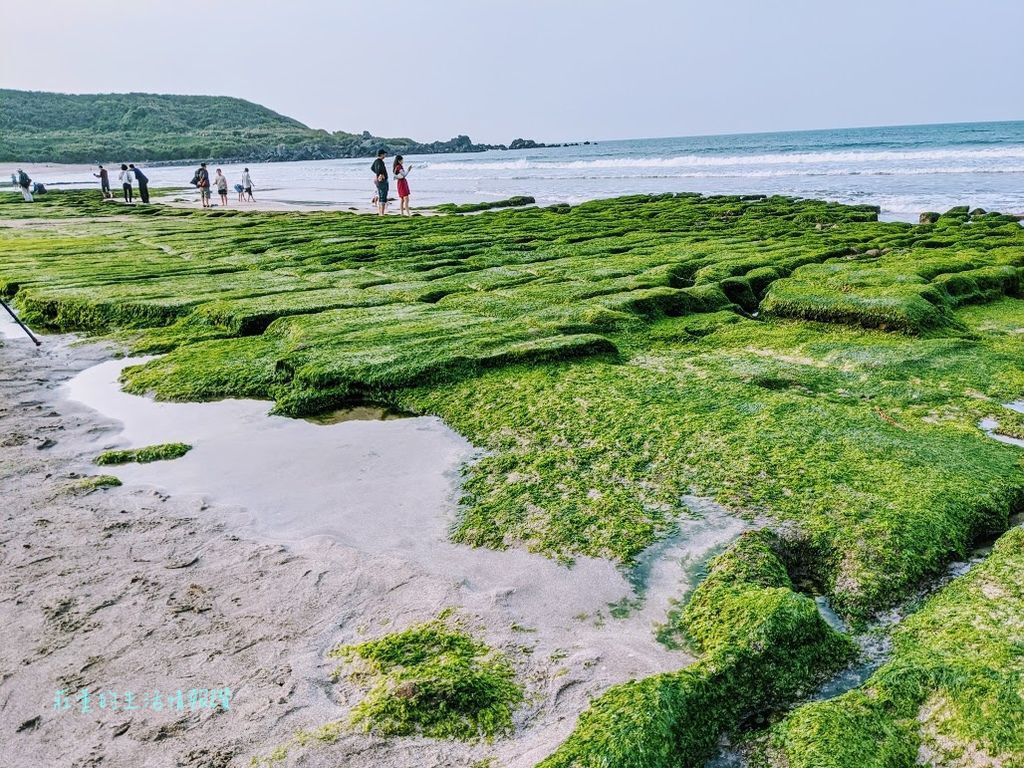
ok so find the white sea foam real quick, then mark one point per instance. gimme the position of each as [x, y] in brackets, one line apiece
[970, 160]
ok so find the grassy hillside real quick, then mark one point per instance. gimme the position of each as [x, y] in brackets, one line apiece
[55, 127]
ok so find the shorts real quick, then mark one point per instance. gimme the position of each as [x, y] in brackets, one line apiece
[222, 190]
[248, 190]
[382, 191]
[205, 192]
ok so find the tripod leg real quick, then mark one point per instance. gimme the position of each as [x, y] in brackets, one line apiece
[18, 321]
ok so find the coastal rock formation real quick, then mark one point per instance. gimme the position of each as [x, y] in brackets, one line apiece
[799, 361]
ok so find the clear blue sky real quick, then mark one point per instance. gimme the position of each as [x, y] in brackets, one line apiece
[545, 69]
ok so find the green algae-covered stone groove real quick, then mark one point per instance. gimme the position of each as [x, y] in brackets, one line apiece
[794, 359]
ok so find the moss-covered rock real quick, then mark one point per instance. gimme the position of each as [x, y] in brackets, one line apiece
[952, 693]
[94, 483]
[433, 679]
[162, 452]
[761, 645]
[512, 202]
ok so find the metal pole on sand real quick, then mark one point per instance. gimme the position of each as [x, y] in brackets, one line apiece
[18, 321]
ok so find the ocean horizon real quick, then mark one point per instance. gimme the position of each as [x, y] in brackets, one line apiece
[902, 169]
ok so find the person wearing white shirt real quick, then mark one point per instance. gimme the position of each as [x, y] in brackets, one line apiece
[247, 186]
[126, 177]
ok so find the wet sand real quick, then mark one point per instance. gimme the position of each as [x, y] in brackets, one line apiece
[234, 567]
[190, 199]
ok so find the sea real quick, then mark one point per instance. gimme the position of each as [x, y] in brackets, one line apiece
[904, 170]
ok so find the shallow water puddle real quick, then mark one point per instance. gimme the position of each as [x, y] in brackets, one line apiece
[876, 641]
[390, 486]
[990, 425]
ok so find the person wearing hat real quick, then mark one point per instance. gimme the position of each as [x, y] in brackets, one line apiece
[380, 179]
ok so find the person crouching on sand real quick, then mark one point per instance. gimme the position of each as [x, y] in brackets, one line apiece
[222, 187]
[401, 172]
[125, 177]
[380, 179]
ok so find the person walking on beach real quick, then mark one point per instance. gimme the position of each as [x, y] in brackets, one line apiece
[222, 187]
[143, 181]
[201, 180]
[247, 185]
[125, 177]
[104, 178]
[24, 184]
[380, 179]
[401, 173]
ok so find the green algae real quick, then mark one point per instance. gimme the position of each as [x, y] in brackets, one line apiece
[512, 202]
[162, 452]
[866, 440]
[950, 695]
[761, 644]
[607, 359]
[601, 355]
[94, 483]
[433, 679]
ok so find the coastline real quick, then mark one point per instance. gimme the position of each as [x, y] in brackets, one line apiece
[904, 171]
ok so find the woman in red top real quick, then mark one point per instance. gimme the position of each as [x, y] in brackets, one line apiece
[403, 185]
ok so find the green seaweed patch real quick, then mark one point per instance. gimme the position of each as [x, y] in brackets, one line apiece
[512, 202]
[150, 453]
[1010, 424]
[598, 355]
[950, 694]
[95, 483]
[763, 644]
[433, 679]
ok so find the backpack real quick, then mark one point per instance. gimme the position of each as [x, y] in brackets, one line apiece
[195, 179]
[23, 179]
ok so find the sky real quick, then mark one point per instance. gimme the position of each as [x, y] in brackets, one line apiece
[551, 70]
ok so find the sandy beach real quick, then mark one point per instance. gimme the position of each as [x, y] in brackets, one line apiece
[135, 589]
[190, 199]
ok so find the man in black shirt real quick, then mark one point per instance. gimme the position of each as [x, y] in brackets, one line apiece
[143, 181]
[104, 182]
[201, 180]
[380, 178]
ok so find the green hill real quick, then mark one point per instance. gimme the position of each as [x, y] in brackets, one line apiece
[37, 126]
